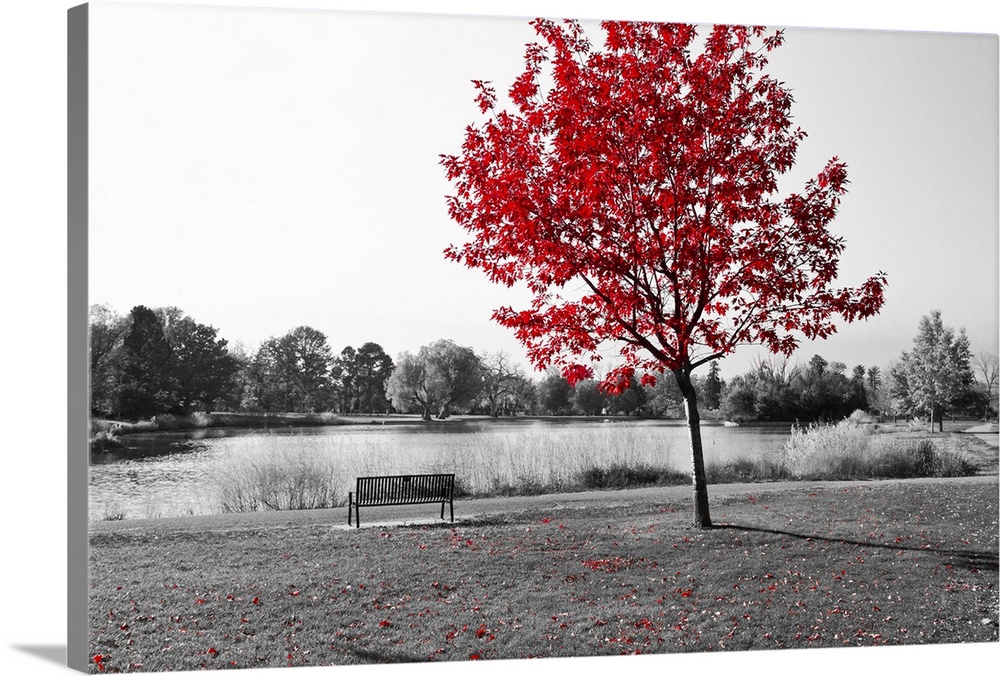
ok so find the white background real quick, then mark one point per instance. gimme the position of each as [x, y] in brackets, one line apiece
[33, 161]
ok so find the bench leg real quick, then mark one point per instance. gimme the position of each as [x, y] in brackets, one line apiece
[350, 500]
[357, 514]
[451, 504]
[442, 509]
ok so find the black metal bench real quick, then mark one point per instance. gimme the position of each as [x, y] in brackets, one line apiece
[403, 489]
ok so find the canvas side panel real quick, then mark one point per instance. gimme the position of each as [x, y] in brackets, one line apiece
[78, 407]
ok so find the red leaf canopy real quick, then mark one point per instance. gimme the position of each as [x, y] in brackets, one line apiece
[632, 190]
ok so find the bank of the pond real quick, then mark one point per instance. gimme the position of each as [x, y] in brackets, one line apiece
[106, 434]
[196, 421]
[204, 421]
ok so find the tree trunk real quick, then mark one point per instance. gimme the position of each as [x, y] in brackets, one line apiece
[702, 518]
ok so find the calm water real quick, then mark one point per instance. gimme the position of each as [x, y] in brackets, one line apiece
[179, 474]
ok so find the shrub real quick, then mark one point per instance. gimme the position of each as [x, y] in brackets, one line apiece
[626, 476]
[743, 470]
[859, 417]
[105, 440]
[462, 489]
[523, 486]
[98, 425]
[199, 419]
[934, 462]
[165, 421]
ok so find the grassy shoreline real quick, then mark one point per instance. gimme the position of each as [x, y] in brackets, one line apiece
[196, 421]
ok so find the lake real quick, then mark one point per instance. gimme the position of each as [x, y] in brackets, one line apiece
[176, 474]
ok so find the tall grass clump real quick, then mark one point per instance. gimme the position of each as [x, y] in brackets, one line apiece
[853, 450]
[302, 471]
[112, 511]
[602, 456]
[809, 449]
[289, 478]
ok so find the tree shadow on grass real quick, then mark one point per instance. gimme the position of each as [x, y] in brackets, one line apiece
[963, 557]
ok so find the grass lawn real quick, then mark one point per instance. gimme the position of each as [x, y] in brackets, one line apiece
[789, 566]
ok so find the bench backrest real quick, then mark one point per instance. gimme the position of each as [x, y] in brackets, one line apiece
[404, 489]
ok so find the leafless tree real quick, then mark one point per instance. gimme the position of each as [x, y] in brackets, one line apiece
[986, 368]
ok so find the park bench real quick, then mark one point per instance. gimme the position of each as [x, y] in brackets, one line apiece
[403, 489]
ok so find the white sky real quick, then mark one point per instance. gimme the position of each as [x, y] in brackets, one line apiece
[264, 168]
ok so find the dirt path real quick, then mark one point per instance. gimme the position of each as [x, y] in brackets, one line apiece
[471, 510]
[990, 433]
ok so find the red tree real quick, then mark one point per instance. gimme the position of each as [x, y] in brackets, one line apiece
[632, 190]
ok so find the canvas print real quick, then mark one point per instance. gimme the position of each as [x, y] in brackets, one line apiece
[424, 338]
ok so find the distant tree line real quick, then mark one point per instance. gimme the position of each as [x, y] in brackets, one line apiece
[155, 361]
[938, 376]
[775, 391]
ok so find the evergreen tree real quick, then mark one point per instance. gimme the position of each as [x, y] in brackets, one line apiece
[714, 385]
[372, 368]
[859, 393]
[147, 359]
